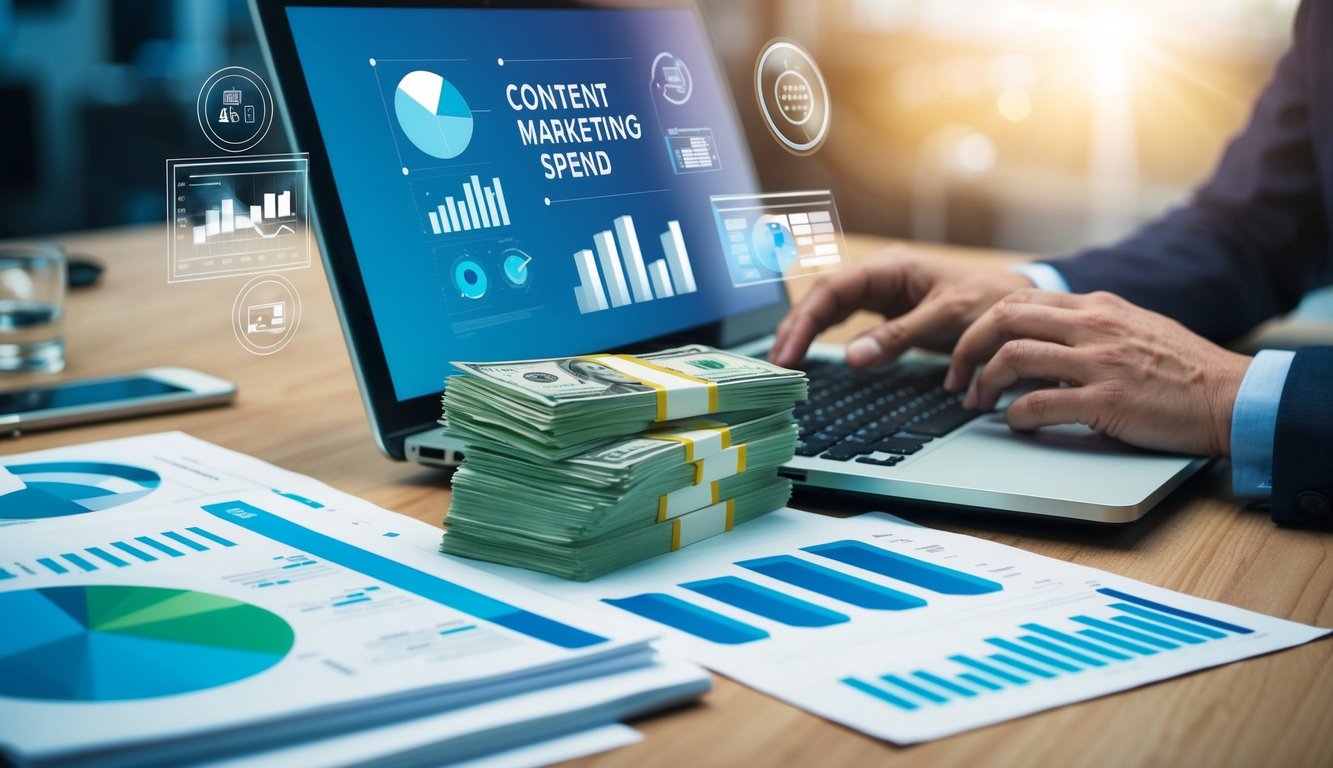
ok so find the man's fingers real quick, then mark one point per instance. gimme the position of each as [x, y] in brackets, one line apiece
[830, 301]
[1025, 359]
[1048, 407]
[1029, 314]
[895, 336]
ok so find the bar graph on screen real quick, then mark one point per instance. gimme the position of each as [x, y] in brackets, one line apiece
[473, 207]
[613, 274]
[238, 217]
[225, 219]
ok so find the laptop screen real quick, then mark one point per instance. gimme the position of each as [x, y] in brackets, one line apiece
[527, 182]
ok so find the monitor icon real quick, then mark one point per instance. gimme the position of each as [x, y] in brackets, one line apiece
[231, 97]
[671, 78]
[267, 318]
[674, 80]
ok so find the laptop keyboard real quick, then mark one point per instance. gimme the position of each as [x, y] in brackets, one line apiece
[852, 415]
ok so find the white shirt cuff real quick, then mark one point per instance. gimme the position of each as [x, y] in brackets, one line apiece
[1254, 422]
[1043, 276]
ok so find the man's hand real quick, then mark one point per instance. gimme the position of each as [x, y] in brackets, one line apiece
[927, 303]
[1129, 373]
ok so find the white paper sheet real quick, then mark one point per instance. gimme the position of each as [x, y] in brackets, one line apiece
[931, 634]
[570, 747]
[327, 624]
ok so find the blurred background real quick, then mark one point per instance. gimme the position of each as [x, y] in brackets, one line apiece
[1030, 125]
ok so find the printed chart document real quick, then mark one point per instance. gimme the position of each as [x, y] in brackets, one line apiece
[166, 601]
[911, 634]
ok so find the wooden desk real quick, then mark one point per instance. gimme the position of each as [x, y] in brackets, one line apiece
[300, 409]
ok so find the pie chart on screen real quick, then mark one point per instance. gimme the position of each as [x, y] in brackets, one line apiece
[433, 114]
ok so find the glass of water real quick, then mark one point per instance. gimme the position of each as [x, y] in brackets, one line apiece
[32, 307]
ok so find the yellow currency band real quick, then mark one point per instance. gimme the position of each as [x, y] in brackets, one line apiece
[740, 464]
[658, 389]
[729, 523]
[663, 502]
[689, 442]
[661, 391]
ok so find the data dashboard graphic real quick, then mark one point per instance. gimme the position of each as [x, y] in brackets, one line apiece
[60, 488]
[107, 643]
[433, 114]
[621, 275]
[488, 283]
[693, 150]
[779, 236]
[234, 217]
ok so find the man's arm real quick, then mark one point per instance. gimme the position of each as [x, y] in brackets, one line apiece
[1302, 459]
[1255, 237]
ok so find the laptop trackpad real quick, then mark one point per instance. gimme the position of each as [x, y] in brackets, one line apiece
[1068, 462]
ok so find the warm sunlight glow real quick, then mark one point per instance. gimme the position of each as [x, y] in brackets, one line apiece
[1014, 104]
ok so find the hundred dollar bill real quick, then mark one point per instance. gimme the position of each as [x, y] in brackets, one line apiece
[560, 407]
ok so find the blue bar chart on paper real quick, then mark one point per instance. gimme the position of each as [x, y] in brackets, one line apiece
[140, 550]
[910, 634]
[409, 579]
[808, 576]
[1122, 631]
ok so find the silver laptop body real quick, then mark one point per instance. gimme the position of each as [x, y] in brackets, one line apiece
[1067, 472]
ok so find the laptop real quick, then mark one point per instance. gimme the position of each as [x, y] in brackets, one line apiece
[503, 180]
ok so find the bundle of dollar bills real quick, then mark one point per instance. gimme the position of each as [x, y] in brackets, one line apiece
[581, 466]
[562, 407]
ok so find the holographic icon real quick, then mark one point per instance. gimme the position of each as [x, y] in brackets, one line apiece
[792, 95]
[266, 314]
[229, 128]
[671, 78]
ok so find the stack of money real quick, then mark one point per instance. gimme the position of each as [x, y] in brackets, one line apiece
[581, 466]
[559, 408]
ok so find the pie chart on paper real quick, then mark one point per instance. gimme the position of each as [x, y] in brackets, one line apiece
[113, 643]
[433, 114]
[59, 488]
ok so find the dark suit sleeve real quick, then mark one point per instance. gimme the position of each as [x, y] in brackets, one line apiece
[1303, 442]
[1254, 238]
